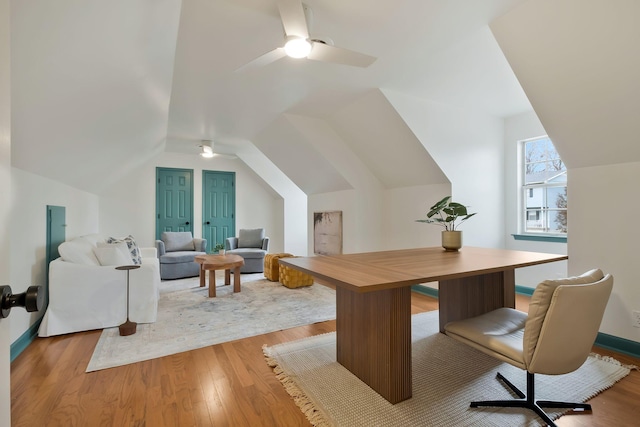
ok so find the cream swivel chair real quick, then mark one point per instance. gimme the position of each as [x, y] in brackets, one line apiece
[554, 338]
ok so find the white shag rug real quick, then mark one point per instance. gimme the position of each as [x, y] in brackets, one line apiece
[447, 376]
[188, 319]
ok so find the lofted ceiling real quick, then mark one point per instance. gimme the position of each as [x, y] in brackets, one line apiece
[443, 51]
[100, 87]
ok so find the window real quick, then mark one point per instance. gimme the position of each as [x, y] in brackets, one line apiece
[544, 188]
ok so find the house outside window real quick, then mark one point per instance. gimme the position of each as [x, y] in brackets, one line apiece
[544, 188]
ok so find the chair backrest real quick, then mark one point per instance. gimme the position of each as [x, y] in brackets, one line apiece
[563, 321]
[250, 238]
[178, 241]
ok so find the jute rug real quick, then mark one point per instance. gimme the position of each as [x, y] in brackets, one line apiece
[188, 319]
[447, 375]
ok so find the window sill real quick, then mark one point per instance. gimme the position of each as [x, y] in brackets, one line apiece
[540, 238]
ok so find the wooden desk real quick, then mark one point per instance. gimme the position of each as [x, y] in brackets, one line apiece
[373, 301]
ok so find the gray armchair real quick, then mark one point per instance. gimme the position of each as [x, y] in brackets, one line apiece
[252, 245]
[176, 252]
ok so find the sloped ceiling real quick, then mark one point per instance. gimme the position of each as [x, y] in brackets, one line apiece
[91, 86]
[99, 87]
[410, 38]
[434, 49]
[579, 61]
[374, 130]
[292, 154]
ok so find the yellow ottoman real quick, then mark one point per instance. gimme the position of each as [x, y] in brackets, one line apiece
[293, 278]
[271, 271]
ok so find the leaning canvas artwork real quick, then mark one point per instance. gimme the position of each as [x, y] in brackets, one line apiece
[327, 233]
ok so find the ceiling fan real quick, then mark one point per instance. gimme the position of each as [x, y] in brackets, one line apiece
[296, 19]
[207, 150]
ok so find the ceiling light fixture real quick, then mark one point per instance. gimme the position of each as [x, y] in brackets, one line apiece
[207, 151]
[297, 47]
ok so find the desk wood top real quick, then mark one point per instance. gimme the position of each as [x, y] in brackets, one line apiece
[370, 271]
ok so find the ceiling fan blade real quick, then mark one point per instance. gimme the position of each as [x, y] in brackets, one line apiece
[293, 18]
[263, 60]
[338, 55]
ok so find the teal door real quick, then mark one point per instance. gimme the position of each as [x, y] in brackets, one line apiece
[218, 206]
[174, 200]
[56, 235]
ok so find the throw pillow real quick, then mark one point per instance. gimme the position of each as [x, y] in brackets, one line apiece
[112, 254]
[134, 250]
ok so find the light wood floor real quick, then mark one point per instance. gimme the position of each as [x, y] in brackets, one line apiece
[222, 385]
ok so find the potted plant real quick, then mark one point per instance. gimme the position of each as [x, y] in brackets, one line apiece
[450, 215]
[219, 248]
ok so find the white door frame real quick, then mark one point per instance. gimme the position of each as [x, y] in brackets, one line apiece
[5, 208]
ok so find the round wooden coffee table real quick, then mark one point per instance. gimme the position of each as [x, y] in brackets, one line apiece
[225, 262]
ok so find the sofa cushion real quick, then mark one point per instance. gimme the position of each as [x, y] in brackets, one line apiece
[250, 238]
[248, 253]
[113, 254]
[178, 257]
[78, 252]
[177, 241]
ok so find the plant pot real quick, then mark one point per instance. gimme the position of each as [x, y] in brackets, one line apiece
[221, 252]
[451, 240]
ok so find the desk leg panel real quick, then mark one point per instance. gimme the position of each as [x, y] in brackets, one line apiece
[471, 296]
[373, 332]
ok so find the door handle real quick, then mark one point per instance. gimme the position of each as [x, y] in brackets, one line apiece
[31, 300]
[208, 222]
[187, 223]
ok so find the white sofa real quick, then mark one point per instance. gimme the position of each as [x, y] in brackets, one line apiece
[86, 295]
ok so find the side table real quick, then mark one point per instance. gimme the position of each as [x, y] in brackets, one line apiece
[128, 327]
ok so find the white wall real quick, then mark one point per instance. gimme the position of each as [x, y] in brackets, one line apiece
[129, 205]
[402, 207]
[294, 208]
[468, 147]
[362, 207]
[603, 204]
[345, 201]
[373, 218]
[28, 232]
[383, 220]
[518, 128]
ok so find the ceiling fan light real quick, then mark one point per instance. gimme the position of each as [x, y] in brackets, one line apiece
[297, 47]
[207, 151]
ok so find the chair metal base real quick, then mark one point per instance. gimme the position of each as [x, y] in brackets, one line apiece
[529, 401]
